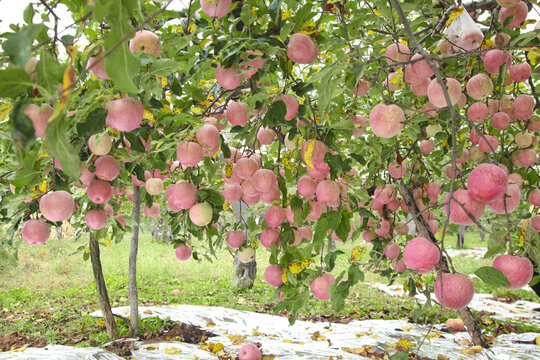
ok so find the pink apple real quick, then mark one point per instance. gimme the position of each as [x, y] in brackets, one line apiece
[183, 252]
[145, 41]
[57, 205]
[301, 49]
[35, 232]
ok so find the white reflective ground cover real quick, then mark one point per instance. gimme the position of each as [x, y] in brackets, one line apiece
[303, 340]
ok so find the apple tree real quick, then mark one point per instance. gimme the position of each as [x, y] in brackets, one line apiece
[383, 122]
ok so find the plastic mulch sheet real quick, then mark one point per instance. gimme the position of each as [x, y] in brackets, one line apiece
[303, 340]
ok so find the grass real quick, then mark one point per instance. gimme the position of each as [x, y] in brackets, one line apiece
[49, 293]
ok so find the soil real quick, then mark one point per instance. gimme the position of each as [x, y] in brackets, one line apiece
[16, 340]
[178, 332]
[505, 298]
[121, 348]
[171, 332]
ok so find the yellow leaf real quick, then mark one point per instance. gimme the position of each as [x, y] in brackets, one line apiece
[454, 15]
[403, 345]
[295, 268]
[152, 347]
[204, 42]
[217, 347]
[172, 350]
[364, 350]
[472, 350]
[228, 169]
[309, 153]
[537, 340]
[237, 339]
[4, 110]
[397, 81]
[317, 336]
[107, 242]
[376, 12]
[67, 83]
[148, 116]
[18, 348]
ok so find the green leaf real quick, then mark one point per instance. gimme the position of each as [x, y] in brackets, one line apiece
[28, 14]
[135, 143]
[355, 275]
[492, 276]
[121, 64]
[19, 45]
[13, 82]
[275, 114]
[344, 227]
[23, 130]
[400, 356]
[94, 123]
[164, 67]
[273, 9]
[321, 229]
[339, 293]
[330, 259]
[326, 87]
[296, 206]
[24, 177]
[49, 73]
[60, 148]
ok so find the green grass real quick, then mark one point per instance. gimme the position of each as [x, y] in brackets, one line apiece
[49, 293]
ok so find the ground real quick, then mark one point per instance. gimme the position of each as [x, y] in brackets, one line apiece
[48, 295]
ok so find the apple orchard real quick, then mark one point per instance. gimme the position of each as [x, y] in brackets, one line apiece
[381, 122]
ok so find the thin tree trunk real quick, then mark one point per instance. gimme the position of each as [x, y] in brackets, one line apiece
[133, 294]
[423, 230]
[58, 233]
[244, 273]
[460, 237]
[101, 287]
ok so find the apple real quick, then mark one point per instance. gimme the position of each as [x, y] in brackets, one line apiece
[145, 41]
[35, 232]
[183, 252]
[40, 118]
[386, 121]
[125, 114]
[301, 49]
[453, 291]
[274, 275]
[249, 352]
[201, 214]
[100, 144]
[518, 270]
[215, 8]
[421, 254]
[319, 286]
[57, 205]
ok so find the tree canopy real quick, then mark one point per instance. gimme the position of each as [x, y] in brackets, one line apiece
[333, 120]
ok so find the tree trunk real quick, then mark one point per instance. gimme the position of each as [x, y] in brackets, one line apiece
[132, 275]
[423, 230]
[244, 273]
[460, 237]
[101, 287]
[58, 233]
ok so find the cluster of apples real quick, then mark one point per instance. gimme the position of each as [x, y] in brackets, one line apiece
[300, 49]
